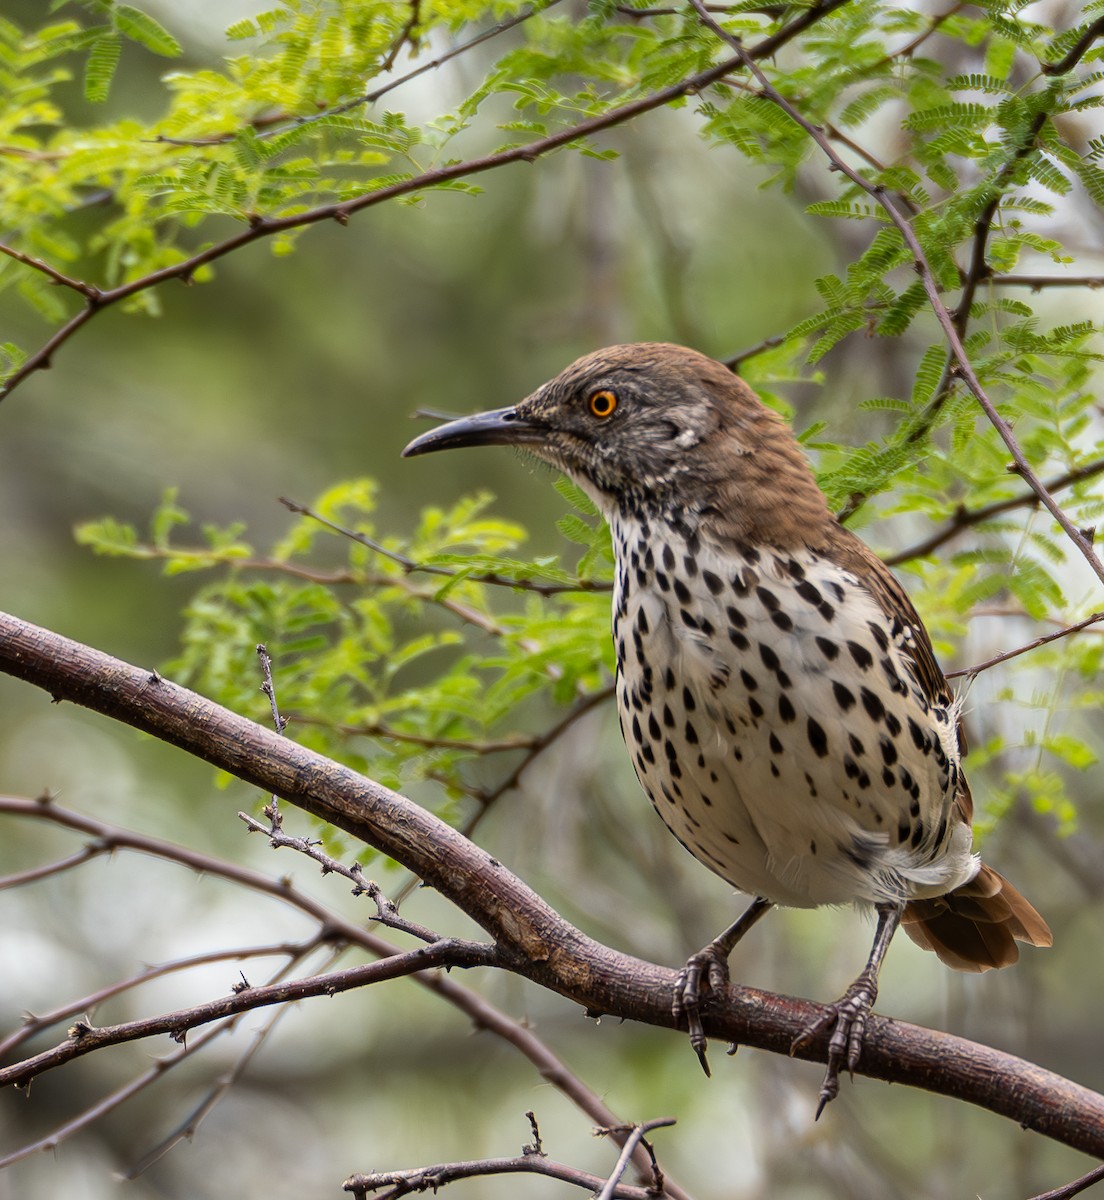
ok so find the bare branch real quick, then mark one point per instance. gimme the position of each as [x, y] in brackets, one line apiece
[85, 1038]
[532, 939]
[997, 659]
[34, 1024]
[1077, 50]
[431, 1179]
[966, 518]
[481, 1012]
[410, 565]
[1075, 1187]
[88, 291]
[1038, 282]
[635, 1137]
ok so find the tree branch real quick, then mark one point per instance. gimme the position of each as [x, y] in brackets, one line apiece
[965, 518]
[532, 939]
[263, 227]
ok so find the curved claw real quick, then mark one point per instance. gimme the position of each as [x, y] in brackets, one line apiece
[847, 1020]
[704, 972]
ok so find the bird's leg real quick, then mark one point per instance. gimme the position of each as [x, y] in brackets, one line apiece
[708, 971]
[847, 1016]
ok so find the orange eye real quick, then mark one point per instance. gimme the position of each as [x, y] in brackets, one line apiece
[602, 404]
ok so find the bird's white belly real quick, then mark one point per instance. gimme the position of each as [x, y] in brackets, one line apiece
[779, 731]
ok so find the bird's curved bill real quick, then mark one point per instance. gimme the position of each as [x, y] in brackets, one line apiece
[502, 427]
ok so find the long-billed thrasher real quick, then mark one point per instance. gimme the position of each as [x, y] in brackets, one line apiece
[777, 691]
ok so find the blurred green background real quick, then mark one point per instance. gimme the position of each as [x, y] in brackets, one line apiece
[282, 376]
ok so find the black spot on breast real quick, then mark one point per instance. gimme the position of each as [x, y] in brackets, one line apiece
[774, 770]
[880, 635]
[809, 592]
[795, 569]
[653, 727]
[707, 627]
[818, 739]
[690, 565]
[713, 582]
[845, 697]
[682, 592]
[669, 750]
[770, 659]
[691, 734]
[785, 708]
[864, 660]
[812, 847]
[783, 621]
[733, 841]
[738, 639]
[767, 598]
[641, 621]
[747, 552]
[637, 732]
[903, 829]
[826, 611]
[648, 753]
[663, 581]
[755, 707]
[828, 648]
[748, 680]
[669, 679]
[835, 589]
[893, 724]
[736, 618]
[688, 619]
[917, 835]
[668, 557]
[774, 743]
[668, 717]
[688, 699]
[889, 751]
[919, 740]
[875, 709]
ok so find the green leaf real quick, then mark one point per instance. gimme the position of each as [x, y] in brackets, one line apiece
[99, 71]
[142, 28]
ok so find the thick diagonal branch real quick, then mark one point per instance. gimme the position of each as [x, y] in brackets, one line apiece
[534, 941]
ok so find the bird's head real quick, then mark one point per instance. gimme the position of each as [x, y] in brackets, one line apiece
[648, 423]
[627, 420]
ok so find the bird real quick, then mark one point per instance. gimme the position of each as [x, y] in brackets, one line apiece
[777, 691]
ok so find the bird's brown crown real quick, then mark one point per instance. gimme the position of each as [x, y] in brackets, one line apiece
[655, 424]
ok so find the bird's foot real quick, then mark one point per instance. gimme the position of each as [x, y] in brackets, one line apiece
[847, 1020]
[705, 972]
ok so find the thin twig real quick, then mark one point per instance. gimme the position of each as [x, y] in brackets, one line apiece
[34, 1024]
[1074, 1187]
[1038, 282]
[1077, 51]
[965, 518]
[997, 659]
[112, 1101]
[410, 566]
[87, 290]
[635, 1137]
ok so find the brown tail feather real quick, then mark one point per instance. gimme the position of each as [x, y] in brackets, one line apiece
[976, 926]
